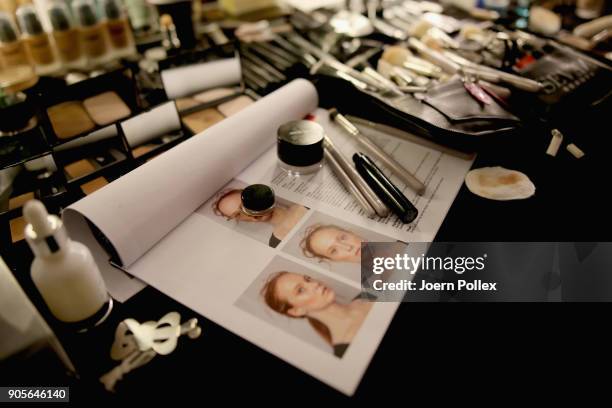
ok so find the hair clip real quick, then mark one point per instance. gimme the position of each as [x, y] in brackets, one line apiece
[136, 344]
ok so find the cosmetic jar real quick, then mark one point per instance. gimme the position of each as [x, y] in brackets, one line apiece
[257, 200]
[300, 147]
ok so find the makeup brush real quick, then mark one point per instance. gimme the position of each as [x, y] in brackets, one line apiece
[279, 62]
[424, 28]
[254, 68]
[413, 59]
[279, 52]
[402, 77]
[305, 57]
[402, 57]
[392, 88]
[434, 56]
[263, 64]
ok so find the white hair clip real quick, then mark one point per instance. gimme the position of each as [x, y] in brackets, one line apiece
[136, 344]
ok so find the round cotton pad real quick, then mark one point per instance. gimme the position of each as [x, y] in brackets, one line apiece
[498, 183]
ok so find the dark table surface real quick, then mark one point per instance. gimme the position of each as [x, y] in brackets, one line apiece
[571, 204]
[425, 345]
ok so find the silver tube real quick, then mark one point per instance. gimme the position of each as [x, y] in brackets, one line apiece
[379, 207]
[379, 154]
[348, 184]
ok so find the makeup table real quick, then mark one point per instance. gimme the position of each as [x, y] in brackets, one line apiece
[219, 363]
[420, 346]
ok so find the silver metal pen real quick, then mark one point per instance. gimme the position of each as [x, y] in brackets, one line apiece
[348, 184]
[378, 153]
[409, 137]
[376, 203]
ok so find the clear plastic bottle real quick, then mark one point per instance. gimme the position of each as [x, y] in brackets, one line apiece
[93, 31]
[13, 50]
[16, 68]
[37, 41]
[66, 36]
[63, 270]
[118, 26]
[141, 15]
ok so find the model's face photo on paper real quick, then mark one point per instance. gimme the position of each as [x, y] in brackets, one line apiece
[336, 244]
[230, 205]
[303, 293]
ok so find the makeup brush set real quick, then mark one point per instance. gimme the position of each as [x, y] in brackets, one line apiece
[462, 82]
[456, 77]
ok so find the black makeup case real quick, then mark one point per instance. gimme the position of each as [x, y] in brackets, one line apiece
[572, 82]
[446, 113]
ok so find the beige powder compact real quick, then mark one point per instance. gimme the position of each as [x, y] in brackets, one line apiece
[106, 108]
[69, 119]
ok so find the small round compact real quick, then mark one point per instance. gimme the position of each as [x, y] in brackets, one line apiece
[300, 147]
[257, 200]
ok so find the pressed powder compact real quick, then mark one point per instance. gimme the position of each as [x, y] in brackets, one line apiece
[142, 150]
[69, 119]
[300, 147]
[214, 94]
[235, 105]
[205, 109]
[106, 108]
[79, 168]
[20, 200]
[91, 186]
[202, 120]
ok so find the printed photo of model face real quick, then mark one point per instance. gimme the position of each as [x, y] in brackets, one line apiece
[270, 227]
[228, 205]
[298, 296]
[302, 294]
[330, 242]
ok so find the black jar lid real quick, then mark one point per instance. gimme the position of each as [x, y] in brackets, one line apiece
[257, 199]
[300, 143]
[15, 117]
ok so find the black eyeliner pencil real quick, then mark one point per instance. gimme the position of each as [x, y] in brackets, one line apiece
[385, 189]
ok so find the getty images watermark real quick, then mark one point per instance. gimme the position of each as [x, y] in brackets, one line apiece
[487, 271]
[423, 271]
[425, 264]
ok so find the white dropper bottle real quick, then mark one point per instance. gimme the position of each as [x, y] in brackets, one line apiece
[63, 270]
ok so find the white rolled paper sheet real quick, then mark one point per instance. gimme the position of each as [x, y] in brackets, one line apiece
[147, 126]
[189, 79]
[137, 210]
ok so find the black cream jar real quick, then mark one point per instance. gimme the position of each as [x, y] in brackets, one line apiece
[300, 147]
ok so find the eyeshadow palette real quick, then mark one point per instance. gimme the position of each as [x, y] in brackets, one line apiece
[203, 110]
[69, 119]
[106, 108]
[20, 200]
[93, 185]
[88, 106]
